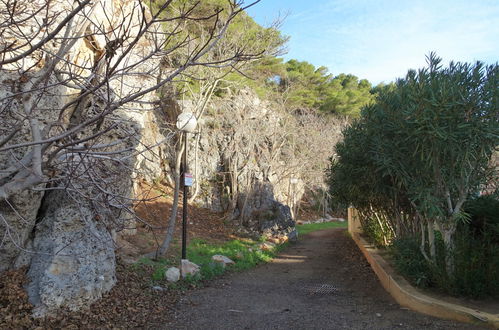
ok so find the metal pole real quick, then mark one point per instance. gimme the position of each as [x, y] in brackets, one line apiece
[184, 208]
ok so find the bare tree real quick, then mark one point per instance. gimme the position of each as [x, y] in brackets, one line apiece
[263, 146]
[234, 54]
[77, 80]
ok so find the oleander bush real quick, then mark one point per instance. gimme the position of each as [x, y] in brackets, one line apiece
[476, 255]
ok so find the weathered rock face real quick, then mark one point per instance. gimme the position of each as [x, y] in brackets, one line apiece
[18, 213]
[241, 166]
[263, 213]
[75, 262]
[17, 233]
[66, 229]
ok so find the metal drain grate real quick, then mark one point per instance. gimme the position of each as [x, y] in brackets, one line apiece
[322, 289]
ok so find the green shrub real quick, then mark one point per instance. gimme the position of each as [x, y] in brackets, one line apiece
[477, 264]
[477, 249]
[484, 215]
[373, 232]
[475, 253]
[409, 262]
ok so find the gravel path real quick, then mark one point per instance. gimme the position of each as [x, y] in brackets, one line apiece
[321, 282]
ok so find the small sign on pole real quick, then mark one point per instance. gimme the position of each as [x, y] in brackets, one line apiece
[188, 179]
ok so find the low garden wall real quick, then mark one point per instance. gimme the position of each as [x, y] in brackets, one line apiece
[404, 293]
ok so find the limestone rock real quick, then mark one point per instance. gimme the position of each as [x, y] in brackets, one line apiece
[69, 240]
[267, 246]
[293, 235]
[223, 260]
[283, 239]
[274, 240]
[75, 262]
[263, 185]
[189, 268]
[172, 274]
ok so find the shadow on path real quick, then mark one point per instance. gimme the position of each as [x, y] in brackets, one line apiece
[320, 282]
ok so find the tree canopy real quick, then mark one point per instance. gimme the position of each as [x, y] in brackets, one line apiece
[308, 87]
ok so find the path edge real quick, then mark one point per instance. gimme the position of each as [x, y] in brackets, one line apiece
[408, 296]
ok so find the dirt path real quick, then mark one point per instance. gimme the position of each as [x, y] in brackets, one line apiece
[321, 282]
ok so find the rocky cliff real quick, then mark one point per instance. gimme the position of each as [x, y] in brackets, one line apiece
[81, 123]
[242, 164]
[71, 146]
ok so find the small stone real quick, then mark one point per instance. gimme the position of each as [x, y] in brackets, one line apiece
[267, 246]
[172, 274]
[189, 268]
[378, 314]
[158, 288]
[283, 239]
[223, 260]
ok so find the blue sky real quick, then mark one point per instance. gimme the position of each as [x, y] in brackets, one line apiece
[381, 39]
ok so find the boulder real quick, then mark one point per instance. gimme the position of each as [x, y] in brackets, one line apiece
[223, 260]
[75, 261]
[293, 236]
[276, 221]
[172, 274]
[189, 268]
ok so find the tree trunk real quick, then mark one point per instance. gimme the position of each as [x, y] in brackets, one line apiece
[431, 240]
[422, 246]
[449, 249]
[448, 229]
[173, 216]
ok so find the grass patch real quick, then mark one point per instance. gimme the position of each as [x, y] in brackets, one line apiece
[311, 227]
[156, 268]
[245, 253]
